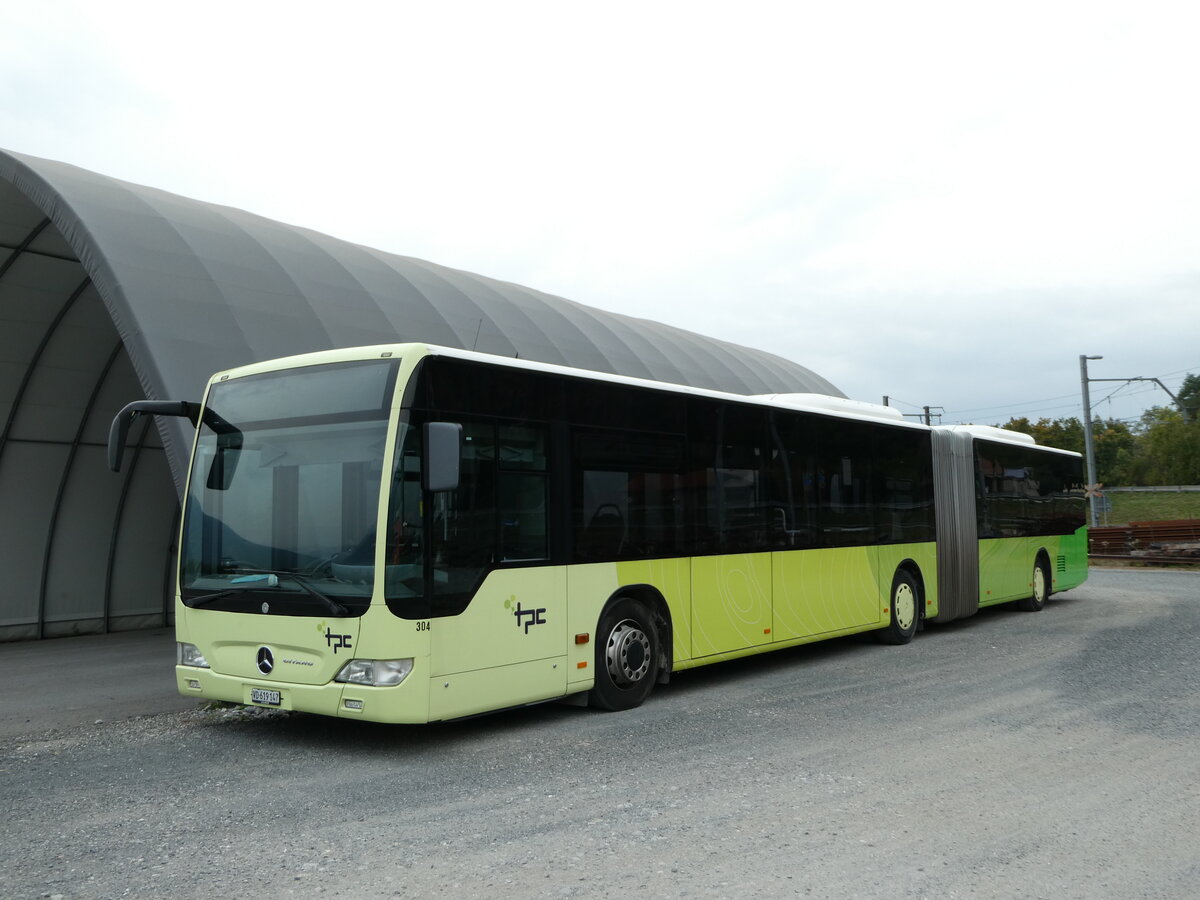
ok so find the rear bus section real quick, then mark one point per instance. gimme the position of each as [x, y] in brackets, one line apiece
[1011, 519]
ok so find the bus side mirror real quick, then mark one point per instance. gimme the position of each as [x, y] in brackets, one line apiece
[224, 464]
[443, 453]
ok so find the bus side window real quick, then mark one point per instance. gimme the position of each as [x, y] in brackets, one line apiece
[627, 502]
[404, 537]
[463, 535]
[793, 479]
[522, 487]
[904, 487]
[726, 471]
[844, 484]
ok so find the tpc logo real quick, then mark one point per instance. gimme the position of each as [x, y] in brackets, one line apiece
[336, 641]
[526, 617]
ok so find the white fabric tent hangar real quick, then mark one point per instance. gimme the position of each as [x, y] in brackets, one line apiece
[112, 292]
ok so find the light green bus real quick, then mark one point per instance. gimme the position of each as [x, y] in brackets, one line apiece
[410, 533]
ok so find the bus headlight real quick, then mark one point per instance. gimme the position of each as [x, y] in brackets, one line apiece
[189, 655]
[375, 672]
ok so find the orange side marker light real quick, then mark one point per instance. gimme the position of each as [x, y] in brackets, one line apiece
[581, 665]
[582, 638]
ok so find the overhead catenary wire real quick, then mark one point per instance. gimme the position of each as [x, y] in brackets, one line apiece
[1025, 403]
[1031, 408]
[892, 400]
[1186, 371]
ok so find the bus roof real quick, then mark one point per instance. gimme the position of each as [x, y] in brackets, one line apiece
[1001, 436]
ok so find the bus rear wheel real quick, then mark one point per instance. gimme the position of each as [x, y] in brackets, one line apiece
[905, 609]
[626, 656]
[1041, 588]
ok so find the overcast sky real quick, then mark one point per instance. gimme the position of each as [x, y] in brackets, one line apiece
[946, 203]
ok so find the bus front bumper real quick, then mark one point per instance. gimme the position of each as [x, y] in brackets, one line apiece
[407, 702]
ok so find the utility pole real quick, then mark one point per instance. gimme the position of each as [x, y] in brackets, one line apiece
[1089, 446]
[926, 416]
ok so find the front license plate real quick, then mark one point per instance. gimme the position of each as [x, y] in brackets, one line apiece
[266, 698]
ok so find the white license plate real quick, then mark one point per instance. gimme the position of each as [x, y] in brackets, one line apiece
[266, 698]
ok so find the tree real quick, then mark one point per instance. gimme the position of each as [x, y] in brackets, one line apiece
[1168, 449]
[1114, 444]
[1064, 433]
[1189, 398]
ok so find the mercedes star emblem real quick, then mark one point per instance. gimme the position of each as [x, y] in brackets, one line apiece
[266, 661]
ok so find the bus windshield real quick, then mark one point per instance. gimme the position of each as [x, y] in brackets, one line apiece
[283, 516]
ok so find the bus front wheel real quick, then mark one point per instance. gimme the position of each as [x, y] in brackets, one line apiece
[626, 656]
[1041, 588]
[905, 609]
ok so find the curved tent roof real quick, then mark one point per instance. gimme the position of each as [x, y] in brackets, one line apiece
[110, 292]
[193, 288]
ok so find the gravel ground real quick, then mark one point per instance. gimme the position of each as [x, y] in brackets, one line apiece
[1010, 755]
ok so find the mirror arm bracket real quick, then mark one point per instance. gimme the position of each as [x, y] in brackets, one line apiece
[119, 430]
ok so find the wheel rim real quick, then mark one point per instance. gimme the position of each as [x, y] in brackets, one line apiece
[1039, 585]
[627, 653]
[904, 605]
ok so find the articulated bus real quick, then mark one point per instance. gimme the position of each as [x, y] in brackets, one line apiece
[410, 533]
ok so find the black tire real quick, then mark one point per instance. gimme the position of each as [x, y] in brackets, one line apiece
[1041, 588]
[626, 656]
[905, 607]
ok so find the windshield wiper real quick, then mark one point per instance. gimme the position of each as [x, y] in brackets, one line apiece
[330, 604]
[204, 601]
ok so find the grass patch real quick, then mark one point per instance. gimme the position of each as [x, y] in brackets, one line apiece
[1151, 506]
